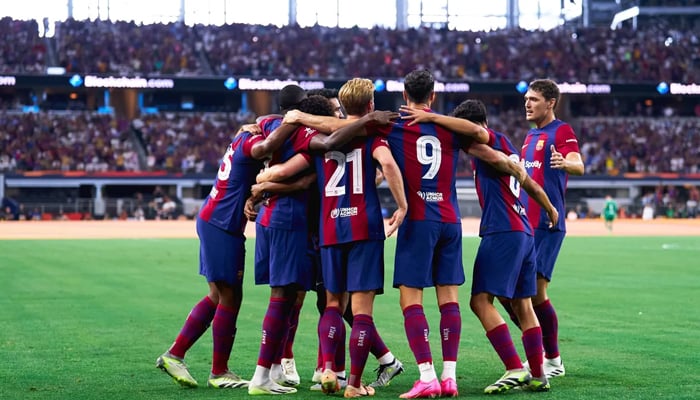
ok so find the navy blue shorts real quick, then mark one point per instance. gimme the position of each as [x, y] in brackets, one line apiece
[281, 258]
[354, 266]
[505, 266]
[221, 254]
[547, 245]
[428, 253]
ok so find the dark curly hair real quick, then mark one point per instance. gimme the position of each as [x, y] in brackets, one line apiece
[472, 110]
[317, 105]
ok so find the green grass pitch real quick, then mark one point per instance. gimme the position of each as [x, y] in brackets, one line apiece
[86, 319]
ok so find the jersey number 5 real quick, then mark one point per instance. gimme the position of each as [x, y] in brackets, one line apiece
[225, 169]
[333, 187]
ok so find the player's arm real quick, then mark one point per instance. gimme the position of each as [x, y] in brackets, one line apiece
[320, 123]
[285, 170]
[498, 160]
[338, 138]
[378, 177]
[252, 128]
[457, 125]
[283, 187]
[274, 141]
[572, 164]
[536, 191]
[395, 180]
[258, 189]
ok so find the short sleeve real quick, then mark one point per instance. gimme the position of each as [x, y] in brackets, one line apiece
[565, 140]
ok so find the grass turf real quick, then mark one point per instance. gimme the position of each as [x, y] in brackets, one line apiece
[86, 319]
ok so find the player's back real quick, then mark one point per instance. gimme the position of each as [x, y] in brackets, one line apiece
[499, 193]
[350, 206]
[223, 207]
[427, 156]
[286, 211]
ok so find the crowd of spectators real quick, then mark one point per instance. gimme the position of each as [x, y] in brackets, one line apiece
[656, 52]
[21, 48]
[194, 142]
[125, 48]
[75, 141]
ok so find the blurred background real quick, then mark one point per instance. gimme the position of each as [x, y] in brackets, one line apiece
[121, 109]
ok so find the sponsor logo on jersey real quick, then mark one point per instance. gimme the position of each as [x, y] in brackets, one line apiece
[343, 212]
[214, 192]
[533, 164]
[540, 145]
[519, 209]
[431, 197]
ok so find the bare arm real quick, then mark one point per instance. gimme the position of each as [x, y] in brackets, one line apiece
[572, 164]
[379, 177]
[320, 123]
[258, 189]
[324, 143]
[540, 196]
[458, 125]
[273, 142]
[395, 180]
[498, 160]
[286, 170]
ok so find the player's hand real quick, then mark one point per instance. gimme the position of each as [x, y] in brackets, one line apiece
[395, 221]
[252, 128]
[557, 160]
[416, 116]
[293, 117]
[521, 171]
[256, 192]
[249, 209]
[553, 215]
[383, 117]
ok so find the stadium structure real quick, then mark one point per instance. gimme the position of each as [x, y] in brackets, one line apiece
[106, 118]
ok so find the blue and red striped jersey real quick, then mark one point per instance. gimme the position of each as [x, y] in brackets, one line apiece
[286, 211]
[350, 207]
[536, 152]
[224, 205]
[499, 193]
[427, 156]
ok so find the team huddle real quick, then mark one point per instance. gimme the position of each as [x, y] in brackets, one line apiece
[309, 177]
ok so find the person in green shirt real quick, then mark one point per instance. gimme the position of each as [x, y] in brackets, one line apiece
[609, 212]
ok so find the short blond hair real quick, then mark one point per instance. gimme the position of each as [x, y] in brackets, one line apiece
[355, 95]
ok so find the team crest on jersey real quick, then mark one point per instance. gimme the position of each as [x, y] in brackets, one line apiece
[540, 145]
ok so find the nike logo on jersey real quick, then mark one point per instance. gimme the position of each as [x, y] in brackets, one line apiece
[309, 131]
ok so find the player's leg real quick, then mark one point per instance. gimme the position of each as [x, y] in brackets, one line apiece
[532, 343]
[280, 258]
[172, 362]
[389, 366]
[547, 246]
[274, 328]
[224, 335]
[499, 336]
[449, 275]
[500, 269]
[284, 368]
[361, 338]
[415, 246]
[198, 320]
